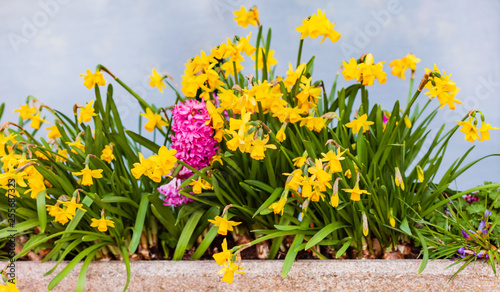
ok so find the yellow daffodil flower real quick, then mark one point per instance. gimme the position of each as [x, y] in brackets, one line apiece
[71, 206]
[199, 185]
[102, 224]
[244, 18]
[77, 144]
[156, 80]
[91, 79]
[36, 121]
[107, 154]
[223, 224]
[54, 132]
[259, 147]
[36, 185]
[25, 112]
[333, 159]
[86, 113]
[360, 122]
[224, 255]
[279, 206]
[270, 60]
[469, 129]
[87, 175]
[401, 65]
[485, 135]
[228, 271]
[11, 287]
[154, 120]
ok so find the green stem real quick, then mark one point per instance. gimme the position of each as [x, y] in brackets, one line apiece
[300, 52]
[411, 85]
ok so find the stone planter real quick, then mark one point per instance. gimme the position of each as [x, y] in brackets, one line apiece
[306, 275]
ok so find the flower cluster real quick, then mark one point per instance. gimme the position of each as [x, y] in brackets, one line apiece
[365, 71]
[317, 25]
[156, 166]
[63, 215]
[442, 87]
[473, 236]
[472, 132]
[193, 137]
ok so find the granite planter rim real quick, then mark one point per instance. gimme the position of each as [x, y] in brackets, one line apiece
[364, 275]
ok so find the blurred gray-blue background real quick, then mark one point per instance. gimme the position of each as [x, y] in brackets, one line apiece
[46, 44]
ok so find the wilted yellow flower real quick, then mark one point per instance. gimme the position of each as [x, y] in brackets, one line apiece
[398, 179]
[154, 120]
[91, 79]
[156, 81]
[244, 18]
[365, 224]
[102, 224]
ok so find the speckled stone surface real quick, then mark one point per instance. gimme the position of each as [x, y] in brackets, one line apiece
[305, 275]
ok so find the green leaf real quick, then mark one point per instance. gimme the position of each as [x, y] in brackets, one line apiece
[80, 284]
[139, 223]
[41, 210]
[205, 244]
[292, 254]
[143, 141]
[344, 248]
[324, 232]
[424, 250]
[127, 265]
[186, 234]
[58, 278]
[260, 185]
[404, 227]
[19, 227]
